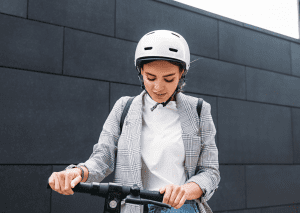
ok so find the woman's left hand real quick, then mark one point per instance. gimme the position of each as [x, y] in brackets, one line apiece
[174, 195]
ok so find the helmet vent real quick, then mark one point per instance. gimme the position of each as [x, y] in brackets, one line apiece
[173, 50]
[149, 48]
[176, 35]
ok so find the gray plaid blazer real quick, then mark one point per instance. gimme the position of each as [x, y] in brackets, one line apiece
[201, 154]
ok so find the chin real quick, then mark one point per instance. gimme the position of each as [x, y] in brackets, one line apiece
[160, 100]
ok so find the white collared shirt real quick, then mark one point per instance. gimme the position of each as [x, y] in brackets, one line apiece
[162, 148]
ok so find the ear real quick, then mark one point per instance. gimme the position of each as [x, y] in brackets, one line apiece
[181, 74]
[142, 72]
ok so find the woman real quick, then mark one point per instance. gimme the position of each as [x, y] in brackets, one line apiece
[163, 145]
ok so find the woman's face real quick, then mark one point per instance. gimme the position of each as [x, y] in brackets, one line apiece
[160, 77]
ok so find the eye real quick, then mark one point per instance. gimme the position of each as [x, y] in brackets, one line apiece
[165, 80]
[169, 81]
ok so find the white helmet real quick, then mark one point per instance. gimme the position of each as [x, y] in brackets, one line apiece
[163, 45]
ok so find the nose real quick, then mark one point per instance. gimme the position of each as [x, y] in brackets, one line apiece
[159, 86]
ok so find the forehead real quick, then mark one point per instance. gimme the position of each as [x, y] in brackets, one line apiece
[160, 67]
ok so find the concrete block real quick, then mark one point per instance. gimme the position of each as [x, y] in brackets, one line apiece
[93, 16]
[243, 211]
[270, 87]
[14, 7]
[99, 57]
[295, 52]
[274, 34]
[212, 77]
[272, 185]
[136, 18]
[200, 11]
[24, 188]
[30, 45]
[119, 90]
[254, 133]
[296, 134]
[49, 119]
[225, 19]
[281, 209]
[255, 49]
[231, 192]
[270, 32]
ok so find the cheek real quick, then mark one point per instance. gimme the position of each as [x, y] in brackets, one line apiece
[148, 83]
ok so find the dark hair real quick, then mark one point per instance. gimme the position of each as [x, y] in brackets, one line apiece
[181, 83]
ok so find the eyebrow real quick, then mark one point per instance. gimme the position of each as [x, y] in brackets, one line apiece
[163, 76]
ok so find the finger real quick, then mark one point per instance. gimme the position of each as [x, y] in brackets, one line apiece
[57, 185]
[162, 190]
[181, 203]
[178, 198]
[51, 182]
[75, 181]
[175, 193]
[167, 195]
[61, 177]
[68, 190]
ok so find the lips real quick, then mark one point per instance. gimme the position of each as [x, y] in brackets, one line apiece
[158, 94]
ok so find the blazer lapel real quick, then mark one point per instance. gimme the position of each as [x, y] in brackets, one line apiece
[189, 120]
[133, 122]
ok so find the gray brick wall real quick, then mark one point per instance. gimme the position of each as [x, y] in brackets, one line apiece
[63, 65]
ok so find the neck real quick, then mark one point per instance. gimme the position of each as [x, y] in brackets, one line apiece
[174, 98]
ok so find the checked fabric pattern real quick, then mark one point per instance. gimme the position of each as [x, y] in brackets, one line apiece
[122, 152]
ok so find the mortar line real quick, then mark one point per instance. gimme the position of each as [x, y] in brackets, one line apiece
[293, 145]
[245, 175]
[109, 85]
[27, 9]
[115, 33]
[51, 192]
[218, 31]
[63, 52]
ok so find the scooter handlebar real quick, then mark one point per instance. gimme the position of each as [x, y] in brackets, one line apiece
[101, 190]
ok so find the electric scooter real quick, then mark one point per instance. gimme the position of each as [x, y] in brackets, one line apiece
[115, 193]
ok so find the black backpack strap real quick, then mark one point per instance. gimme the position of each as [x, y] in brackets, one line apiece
[125, 111]
[199, 106]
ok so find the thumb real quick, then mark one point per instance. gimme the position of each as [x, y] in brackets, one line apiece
[162, 190]
[75, 181]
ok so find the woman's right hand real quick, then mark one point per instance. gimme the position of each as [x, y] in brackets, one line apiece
[64, 181]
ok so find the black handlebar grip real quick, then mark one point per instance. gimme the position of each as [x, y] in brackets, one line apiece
[152, 195]
[81, 187]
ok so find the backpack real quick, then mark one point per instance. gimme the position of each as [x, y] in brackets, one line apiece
[126, 108]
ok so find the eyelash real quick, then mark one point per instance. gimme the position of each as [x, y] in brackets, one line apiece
[165, 80]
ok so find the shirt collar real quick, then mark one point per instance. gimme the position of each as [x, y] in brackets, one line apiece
[150, 102]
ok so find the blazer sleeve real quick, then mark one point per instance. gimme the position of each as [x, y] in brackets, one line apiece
[102, 161]
[207, 174]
